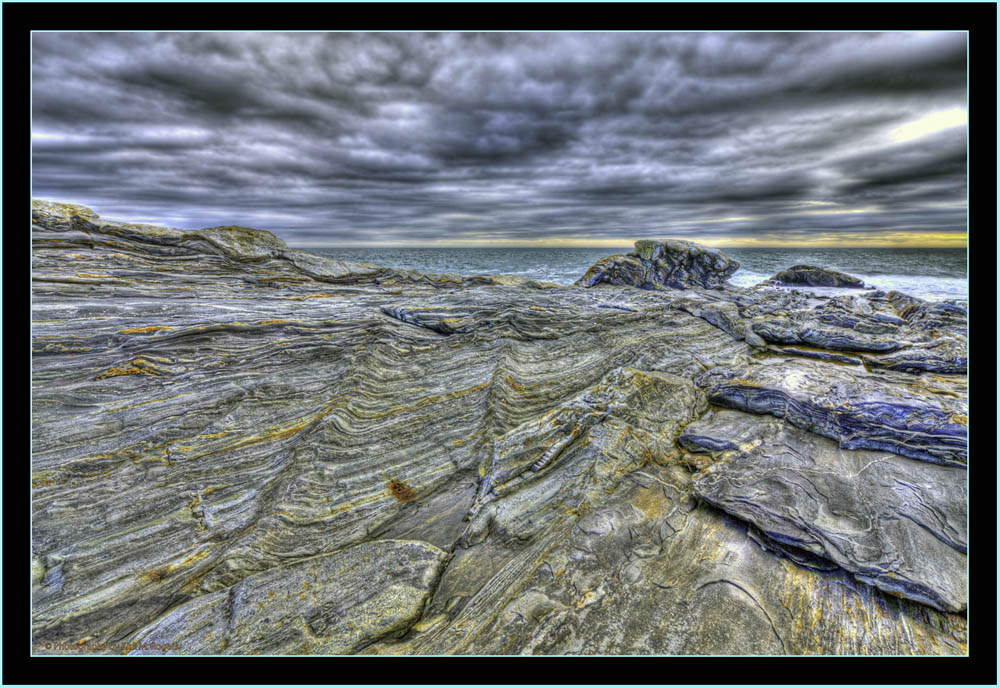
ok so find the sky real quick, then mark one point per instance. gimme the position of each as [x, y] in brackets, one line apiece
[530, 139]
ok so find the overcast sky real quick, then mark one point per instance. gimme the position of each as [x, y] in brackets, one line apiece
[583, 138]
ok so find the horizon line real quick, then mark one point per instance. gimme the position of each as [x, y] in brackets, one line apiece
[554, 245]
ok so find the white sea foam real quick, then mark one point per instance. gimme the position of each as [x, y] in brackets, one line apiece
[932, 275]
[929, 288]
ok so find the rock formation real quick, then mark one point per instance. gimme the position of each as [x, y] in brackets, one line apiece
[803, 490]
[240, 448]
[657, 264]
[812, 276]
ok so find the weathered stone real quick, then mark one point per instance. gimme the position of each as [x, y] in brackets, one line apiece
[777, 332]
[330, 604]
[217, 417]
[840, 341]
[580, 451]
[892, 521]
[945, 315]
[932, 339]
[724, 315]
[944, 356]
[812, 276]
[877, 410]
[673, 263]
[815, 353]
[652, 571]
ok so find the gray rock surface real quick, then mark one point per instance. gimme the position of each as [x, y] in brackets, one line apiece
[813, 276]
[892, 521]
[653, 570]
[328, 604]
[882, 410]
[451, 464]
[932, 338]
[673, 263]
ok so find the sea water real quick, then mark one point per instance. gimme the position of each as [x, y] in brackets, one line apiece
[928, 273]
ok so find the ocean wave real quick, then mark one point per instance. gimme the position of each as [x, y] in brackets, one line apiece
[928, 288]
[566, 265]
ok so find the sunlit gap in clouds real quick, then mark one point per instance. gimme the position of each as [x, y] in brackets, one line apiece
[561, 139]
[930, 124]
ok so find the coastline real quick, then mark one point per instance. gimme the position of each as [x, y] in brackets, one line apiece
[295, 454]
[564, 266]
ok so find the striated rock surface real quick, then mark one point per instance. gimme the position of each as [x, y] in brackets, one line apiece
[329, 604]
[812, 276]
[897, 523]
[653, 570]
[673, 263]
[878, 331]
[910, 416]
[240, 448]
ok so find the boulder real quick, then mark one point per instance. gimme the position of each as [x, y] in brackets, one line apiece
[812, 276]
[672, 263]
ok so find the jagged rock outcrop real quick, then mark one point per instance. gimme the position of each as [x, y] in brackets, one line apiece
[812, 276]
[932, 338]
[897, 523]
[673, 263]
[924, 420]
[241, 448]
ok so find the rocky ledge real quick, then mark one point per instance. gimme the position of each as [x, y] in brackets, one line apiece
[241, 448]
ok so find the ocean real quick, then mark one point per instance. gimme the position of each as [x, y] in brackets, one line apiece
[928, 273]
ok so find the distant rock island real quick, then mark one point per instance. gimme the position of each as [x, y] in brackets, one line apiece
[239, 448]
[673, 263]
[812, 276]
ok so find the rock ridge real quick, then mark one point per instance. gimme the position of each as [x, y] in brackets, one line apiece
[240, 448]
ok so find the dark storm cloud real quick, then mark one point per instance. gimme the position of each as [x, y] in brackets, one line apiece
[411, 137]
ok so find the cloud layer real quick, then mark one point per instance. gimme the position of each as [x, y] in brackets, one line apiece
[464, 138]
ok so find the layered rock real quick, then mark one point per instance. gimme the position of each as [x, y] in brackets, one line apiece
[673, 263]
[653, 570]
[897, 523]
[240, 448]
[813, 276]
[328, 604]
[878, 410]
[871, 328]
